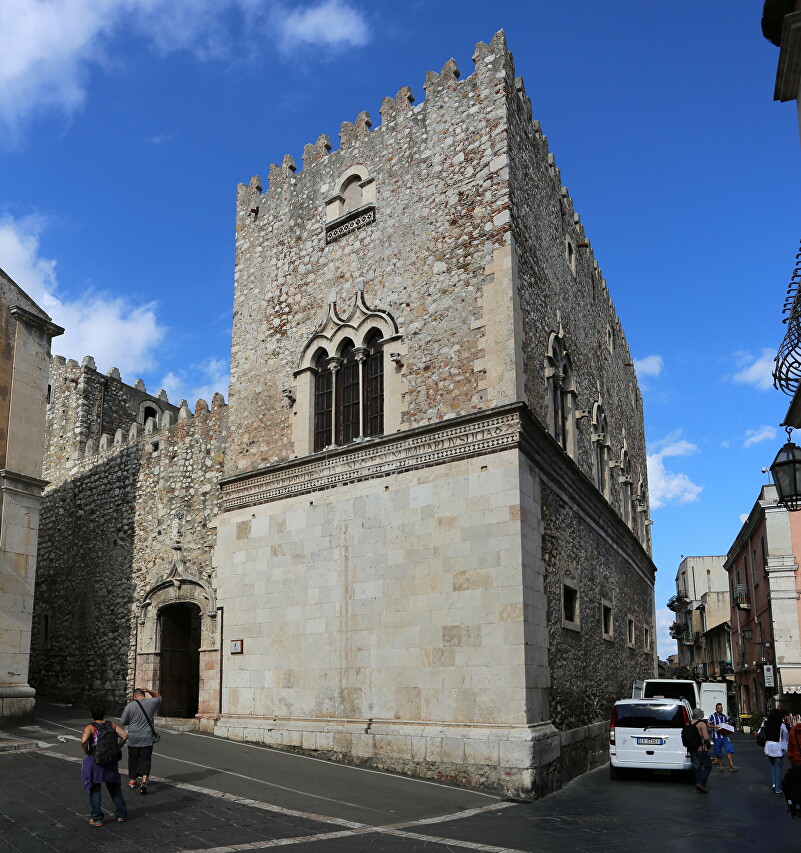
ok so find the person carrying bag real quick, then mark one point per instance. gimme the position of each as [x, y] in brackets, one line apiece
[138, 719]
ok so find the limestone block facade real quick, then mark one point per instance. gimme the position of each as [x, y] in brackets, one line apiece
[25, 336]
[417, 538]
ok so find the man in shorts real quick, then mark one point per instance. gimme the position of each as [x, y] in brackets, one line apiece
[721, 743]
[138, 719]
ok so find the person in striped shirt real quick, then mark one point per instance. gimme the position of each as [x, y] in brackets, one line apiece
[720, 738]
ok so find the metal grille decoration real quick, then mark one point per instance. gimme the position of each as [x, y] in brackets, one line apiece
[787, 373]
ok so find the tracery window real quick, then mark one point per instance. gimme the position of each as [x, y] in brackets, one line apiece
[349, 393]
[626, 492]
[561, 391]
[374, 386]
[344, 379]
[600, 450]
[323, 402]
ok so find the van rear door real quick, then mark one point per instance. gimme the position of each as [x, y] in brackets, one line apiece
[649, 734]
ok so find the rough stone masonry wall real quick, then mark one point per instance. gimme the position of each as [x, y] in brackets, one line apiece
[107, 534]
[605, 560]
[543, 220]
[439, 213]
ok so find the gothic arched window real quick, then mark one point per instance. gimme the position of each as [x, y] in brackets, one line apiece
[600, 450]
[323, 402]
[347, 396]
[374, 385]
[626, 490]
[560, 393]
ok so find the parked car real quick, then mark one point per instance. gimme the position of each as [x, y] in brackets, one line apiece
[646, 734]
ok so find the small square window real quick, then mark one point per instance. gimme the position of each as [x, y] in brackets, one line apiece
[630, 631]
[570, 605]
[607, 624]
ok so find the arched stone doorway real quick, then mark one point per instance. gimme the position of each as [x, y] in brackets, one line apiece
[179, 681]
[177, 645]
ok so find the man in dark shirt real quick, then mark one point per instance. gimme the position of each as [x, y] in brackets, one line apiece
[138, 718]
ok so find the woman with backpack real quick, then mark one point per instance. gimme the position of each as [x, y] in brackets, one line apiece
[774, 732]
[101, 741]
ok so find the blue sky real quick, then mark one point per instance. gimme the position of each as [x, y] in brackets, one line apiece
[125, 126]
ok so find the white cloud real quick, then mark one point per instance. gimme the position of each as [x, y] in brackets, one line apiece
[755, 370]
[763, 433]
[651, 365]
[664, 486]
[665, 644]
[331, 23]
[49, 47]
[199, 382]
[116, 332]
[743, 517]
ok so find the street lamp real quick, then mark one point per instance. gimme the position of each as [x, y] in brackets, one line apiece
[786, 470]
[747, 633]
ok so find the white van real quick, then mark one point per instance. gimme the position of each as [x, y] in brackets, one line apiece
[704, 695]
[646, 734]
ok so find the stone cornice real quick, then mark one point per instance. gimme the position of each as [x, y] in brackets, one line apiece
[16, 477]
[421, 447]
[43, 324]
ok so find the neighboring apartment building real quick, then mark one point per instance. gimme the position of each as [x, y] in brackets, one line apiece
[25, 335]
[762, 565]
[700, 604]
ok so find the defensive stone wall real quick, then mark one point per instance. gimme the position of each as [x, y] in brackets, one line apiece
[111, 522]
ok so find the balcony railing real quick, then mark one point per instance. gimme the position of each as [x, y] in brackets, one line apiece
[742, 600]
[692, 638]
[678, 602]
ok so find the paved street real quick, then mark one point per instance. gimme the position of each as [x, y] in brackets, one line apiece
[212, 795]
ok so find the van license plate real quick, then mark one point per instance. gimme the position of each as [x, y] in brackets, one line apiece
[650, 741]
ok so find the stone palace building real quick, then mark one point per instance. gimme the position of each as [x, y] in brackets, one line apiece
[417, 537]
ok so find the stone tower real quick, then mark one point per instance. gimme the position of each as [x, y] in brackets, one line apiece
[433, 552]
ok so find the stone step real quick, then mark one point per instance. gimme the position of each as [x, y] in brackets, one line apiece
[177, 724]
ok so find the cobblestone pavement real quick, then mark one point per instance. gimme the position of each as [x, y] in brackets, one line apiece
[43, 808]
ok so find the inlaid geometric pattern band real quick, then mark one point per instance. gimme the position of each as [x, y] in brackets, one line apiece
[387, 456]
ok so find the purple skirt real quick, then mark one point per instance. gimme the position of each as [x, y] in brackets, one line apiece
[92, 773]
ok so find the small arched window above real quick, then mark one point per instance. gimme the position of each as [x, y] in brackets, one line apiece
[353, 205]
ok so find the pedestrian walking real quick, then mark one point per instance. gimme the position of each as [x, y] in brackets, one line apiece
[138, 719]
[101, 741]
[721, 743]
[794, 745]
[698, 745]
[775, 733]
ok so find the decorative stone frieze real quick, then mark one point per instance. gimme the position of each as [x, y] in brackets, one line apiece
[355, 220]
[419, 448]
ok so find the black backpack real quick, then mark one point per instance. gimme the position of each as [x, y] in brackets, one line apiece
[691, 737]
[107, 751]
[791, 788]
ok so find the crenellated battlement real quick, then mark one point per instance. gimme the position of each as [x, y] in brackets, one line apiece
[488, 60]
[91, 416]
